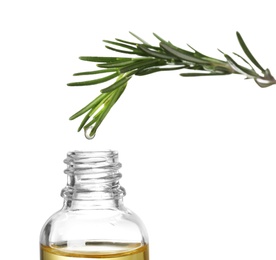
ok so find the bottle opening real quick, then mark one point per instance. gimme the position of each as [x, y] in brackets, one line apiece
[93, 175]
[85, 162]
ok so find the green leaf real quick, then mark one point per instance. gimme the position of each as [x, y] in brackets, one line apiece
[93, 110]
[159, 38]
[120, 44]
[116, 85]
[127, 42]
[99, 107]
[94, 72]
[115, 96]
[146, 71]
[197, 53]
[223, 69]
[248, 53]
[91, 105]
[136, 44]
[103, 59]
[181, 54]
[155, 53]
[115, 64]
[93, 82]
[244, 60]
[240, 69]
[139, 64]
[85, 119]
[122, 51]
[202, 74]
[138, 38]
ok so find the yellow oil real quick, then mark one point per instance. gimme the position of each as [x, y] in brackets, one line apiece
[110, 251]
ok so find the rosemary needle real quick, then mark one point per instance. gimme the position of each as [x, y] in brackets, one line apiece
[151, 59]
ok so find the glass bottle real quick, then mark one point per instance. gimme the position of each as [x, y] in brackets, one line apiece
[93, 222]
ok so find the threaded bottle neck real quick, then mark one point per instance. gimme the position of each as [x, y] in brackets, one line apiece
[93, 176]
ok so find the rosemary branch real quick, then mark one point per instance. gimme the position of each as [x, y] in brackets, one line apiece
[150, 59]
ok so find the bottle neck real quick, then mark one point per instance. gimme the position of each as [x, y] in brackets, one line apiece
[93, 180]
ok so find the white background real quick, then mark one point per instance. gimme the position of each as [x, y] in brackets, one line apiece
[198, 154]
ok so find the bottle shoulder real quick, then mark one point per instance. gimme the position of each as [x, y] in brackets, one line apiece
[100, 215]
[67, 224]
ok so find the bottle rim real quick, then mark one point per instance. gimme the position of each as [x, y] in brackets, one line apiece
[85, 162]
[93, 175]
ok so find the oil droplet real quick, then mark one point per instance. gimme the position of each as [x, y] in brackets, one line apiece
[87, 132]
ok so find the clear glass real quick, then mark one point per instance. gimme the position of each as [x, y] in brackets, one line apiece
[93, 222]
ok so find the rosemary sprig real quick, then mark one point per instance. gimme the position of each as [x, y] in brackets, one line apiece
[146, 59]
